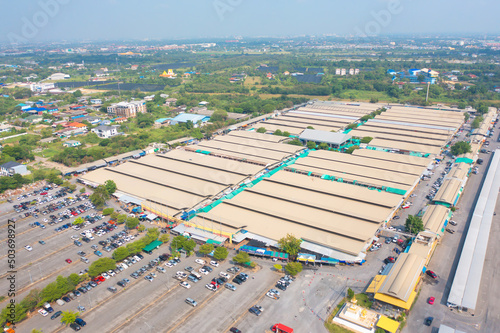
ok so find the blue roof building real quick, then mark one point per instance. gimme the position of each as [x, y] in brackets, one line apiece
[194, 118]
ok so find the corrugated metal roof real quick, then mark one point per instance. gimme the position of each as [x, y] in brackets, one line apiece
[403, 277]
[465, 288]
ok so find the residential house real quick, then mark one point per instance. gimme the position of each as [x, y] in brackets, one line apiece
[48, 140]
[162, 122]
[120, 120]
[96, 101]
[34, 119]
[12, 168]
[170, 101]
[58, 77]
[105, 132]
[81, 126]
[92, 120]
[127, 109]
[149, 98]
[5, 128]
[72, 143]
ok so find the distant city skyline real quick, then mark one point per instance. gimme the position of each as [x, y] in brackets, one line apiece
[94, 20]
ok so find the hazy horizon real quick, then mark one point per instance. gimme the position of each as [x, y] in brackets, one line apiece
[93, 20]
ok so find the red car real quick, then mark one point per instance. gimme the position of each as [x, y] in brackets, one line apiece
[431, 300]
[43, 193]
[74, 213]
[68, 261]
[431, 274]
[101, 279]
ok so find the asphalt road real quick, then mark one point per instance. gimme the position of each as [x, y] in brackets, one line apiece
[444, 263]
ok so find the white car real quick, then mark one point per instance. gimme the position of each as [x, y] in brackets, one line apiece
[161, 269]
[75, 237]
[29, 248]
[105, 275]
[124, 265]
[272, 295]
[225, 275]
[185, 285]
[214, 263]
[111, 273]
[179, 273]
[200, 261]
[169, 264]
[202, 271]
[89, 236]
[43, 312]
[137, 258]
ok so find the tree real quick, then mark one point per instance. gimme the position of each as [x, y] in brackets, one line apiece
[141, 228]
[99, 196]
[461, 105]
[295, 142]
[120, 253]
[476, 122]
[366, 139]
[350, 293]
[178, 242]
[164, 238]
[72, 187]
[261, 130]
[351, 149]
[278, 132]
[132, 222]
[78, 93]
[78, 221]
[101, 265]
[221, 253]
[82, 190]
[242, 258]
[323, 146]
[120, 219]
[414, 224]
[110, 186]
[352, 126]
[74, 279]
[114, 216]
[189, 245]
[290, 244]
[310, 127]
[278, 267]
[205, 249]
[287, 134]
[467, 116]
[68, 317]
[311, 145]
[461, 147]
[293, 268]
[36, 331]
[108, 211]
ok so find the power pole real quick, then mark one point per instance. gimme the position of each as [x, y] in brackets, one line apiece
[427, 96]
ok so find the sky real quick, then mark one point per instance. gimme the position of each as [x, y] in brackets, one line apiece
[94, 20]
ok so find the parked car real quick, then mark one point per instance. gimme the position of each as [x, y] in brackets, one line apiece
[431, 300]
[191, 302]
[431, 274]
[428, 321]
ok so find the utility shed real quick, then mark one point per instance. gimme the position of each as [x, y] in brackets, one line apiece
[334, 140]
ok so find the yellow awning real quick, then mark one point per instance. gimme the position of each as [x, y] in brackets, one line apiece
[396, 301]
[388, 324]
[376, 284]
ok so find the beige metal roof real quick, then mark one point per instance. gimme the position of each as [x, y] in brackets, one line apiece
[209, 167]
[367, 161]
[397, 158]
[351, 169]
[405, 146]
[360, 133]
[403, 277]
[199, 186]
[420, 250]
[250, 151]
[434, 218]
[320, 119]
[225, 154]
[273, 128]
[350, 178]
[407, 133]
[437, 122]
[280, 122]
[416, 129]
[448, 191]
[336, 204]
[256, 136]
[276, 228]
[169, 196]
[419, 112]
[459, 171]
[361, 194]
[279, 147]
[173, 142]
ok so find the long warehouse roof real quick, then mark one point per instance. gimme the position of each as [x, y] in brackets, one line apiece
[334, 116]
[361, 132]
[278, 122]
[350, 169]
[428, 112]
[371, 127]
[169, 196]
[405, 146]
[403, 277]
[361, 194]
[398, 118]
[250, 151]
[309, 121]
[459, 171]
[397, 158]
[273, 128]
[256, 136]
[414, 128]
[434, 218]
[448, 191]
[324, 119]
[279, 147]
[368, 161]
